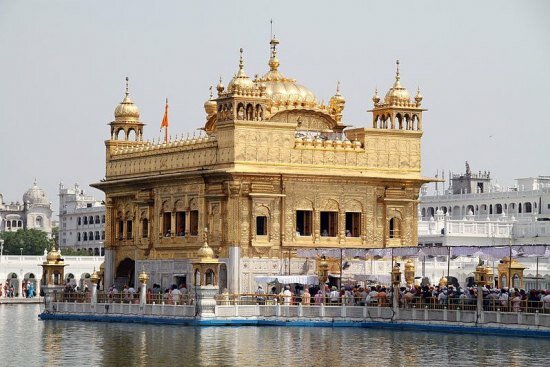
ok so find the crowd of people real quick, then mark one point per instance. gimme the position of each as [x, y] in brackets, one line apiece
[9, 291]
[504, 299]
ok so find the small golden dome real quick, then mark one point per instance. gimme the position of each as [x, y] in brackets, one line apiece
[240, 80]
[126, 110]
[376, 97]
[397, 93]
[210, 106]
[220, 87]
[143, 277]
[95, 277]
[53, 256]
[338, 97]
[418, 97]
[205, 252]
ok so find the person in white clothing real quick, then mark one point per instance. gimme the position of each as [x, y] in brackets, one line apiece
[287, 296]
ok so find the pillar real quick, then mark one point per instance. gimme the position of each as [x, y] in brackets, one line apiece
[233, 267]
[20, 286]
[94, 293]
[109, 274]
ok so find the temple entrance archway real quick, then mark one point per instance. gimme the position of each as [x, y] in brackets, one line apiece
[125, 273]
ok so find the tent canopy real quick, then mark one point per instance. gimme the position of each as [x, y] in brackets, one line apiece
[288, 279]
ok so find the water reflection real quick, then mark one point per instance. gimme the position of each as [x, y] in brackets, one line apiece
[61, 343]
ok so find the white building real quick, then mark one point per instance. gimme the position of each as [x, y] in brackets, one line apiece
[81, 221]
[476, 212]
[35, 212]
[18, 270]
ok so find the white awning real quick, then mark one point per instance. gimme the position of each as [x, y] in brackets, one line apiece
[288, 279]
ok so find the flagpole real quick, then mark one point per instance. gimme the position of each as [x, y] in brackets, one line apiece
[166, 126]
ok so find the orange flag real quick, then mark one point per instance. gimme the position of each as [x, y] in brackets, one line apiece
[164, 124]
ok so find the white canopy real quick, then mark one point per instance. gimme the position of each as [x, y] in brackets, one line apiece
[288, 279]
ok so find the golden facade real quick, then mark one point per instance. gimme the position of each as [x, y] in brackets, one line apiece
[275, 170]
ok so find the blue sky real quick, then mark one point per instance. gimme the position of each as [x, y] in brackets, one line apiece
[483, 69]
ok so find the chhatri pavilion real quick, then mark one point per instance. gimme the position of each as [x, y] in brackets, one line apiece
[275, 171]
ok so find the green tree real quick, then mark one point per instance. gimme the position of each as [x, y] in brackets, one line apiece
[55, 235]
[31, 241]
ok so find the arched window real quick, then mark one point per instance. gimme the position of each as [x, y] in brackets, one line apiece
[498, 209]
[85, 236]
[102, 235]
[85, 220]
[144, 228]
[97, 219]
[91, 236]
[528, 207]
[395, 228]
[209, 277]
[79, 221]
[91, 219]
[19, 223]
[103, 219]
[39, 221]
[97, 235]
[78, 236]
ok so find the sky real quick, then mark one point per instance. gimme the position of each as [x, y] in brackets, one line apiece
[483, 68]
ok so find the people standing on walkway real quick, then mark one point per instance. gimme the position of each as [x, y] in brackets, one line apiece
[260, 295]
[287, 296]
[306, 297]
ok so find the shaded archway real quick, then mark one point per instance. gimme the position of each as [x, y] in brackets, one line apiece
[125, 272]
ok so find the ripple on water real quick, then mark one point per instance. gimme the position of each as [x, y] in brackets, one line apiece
[27, 341]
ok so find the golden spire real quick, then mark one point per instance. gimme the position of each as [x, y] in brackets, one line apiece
[338, 97]
[220, 87]
[376, 97]
[273, 61]
[418, 97]
[397, 77]
[241, 61]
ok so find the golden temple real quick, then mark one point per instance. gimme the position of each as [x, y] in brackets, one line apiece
[274, 171]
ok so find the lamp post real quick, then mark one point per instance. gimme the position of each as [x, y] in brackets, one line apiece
[21, 249]
[1, 249]
[396, 281]
[323, 275]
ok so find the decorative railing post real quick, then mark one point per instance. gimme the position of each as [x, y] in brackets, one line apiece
[95, 280]
[143, 277]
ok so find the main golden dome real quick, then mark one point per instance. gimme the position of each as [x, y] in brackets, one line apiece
[281, 89]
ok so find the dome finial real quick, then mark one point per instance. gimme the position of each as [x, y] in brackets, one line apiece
[273, 61]
[241, 61]
[220, 87]
[418, 97]
[338, 87]
[397, 72]
[376, 97]
[127, 88]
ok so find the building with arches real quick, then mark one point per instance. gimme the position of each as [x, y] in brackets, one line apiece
[18, 271]
[34, 212]
[475, 211]
[81, 221]
[275, 170]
